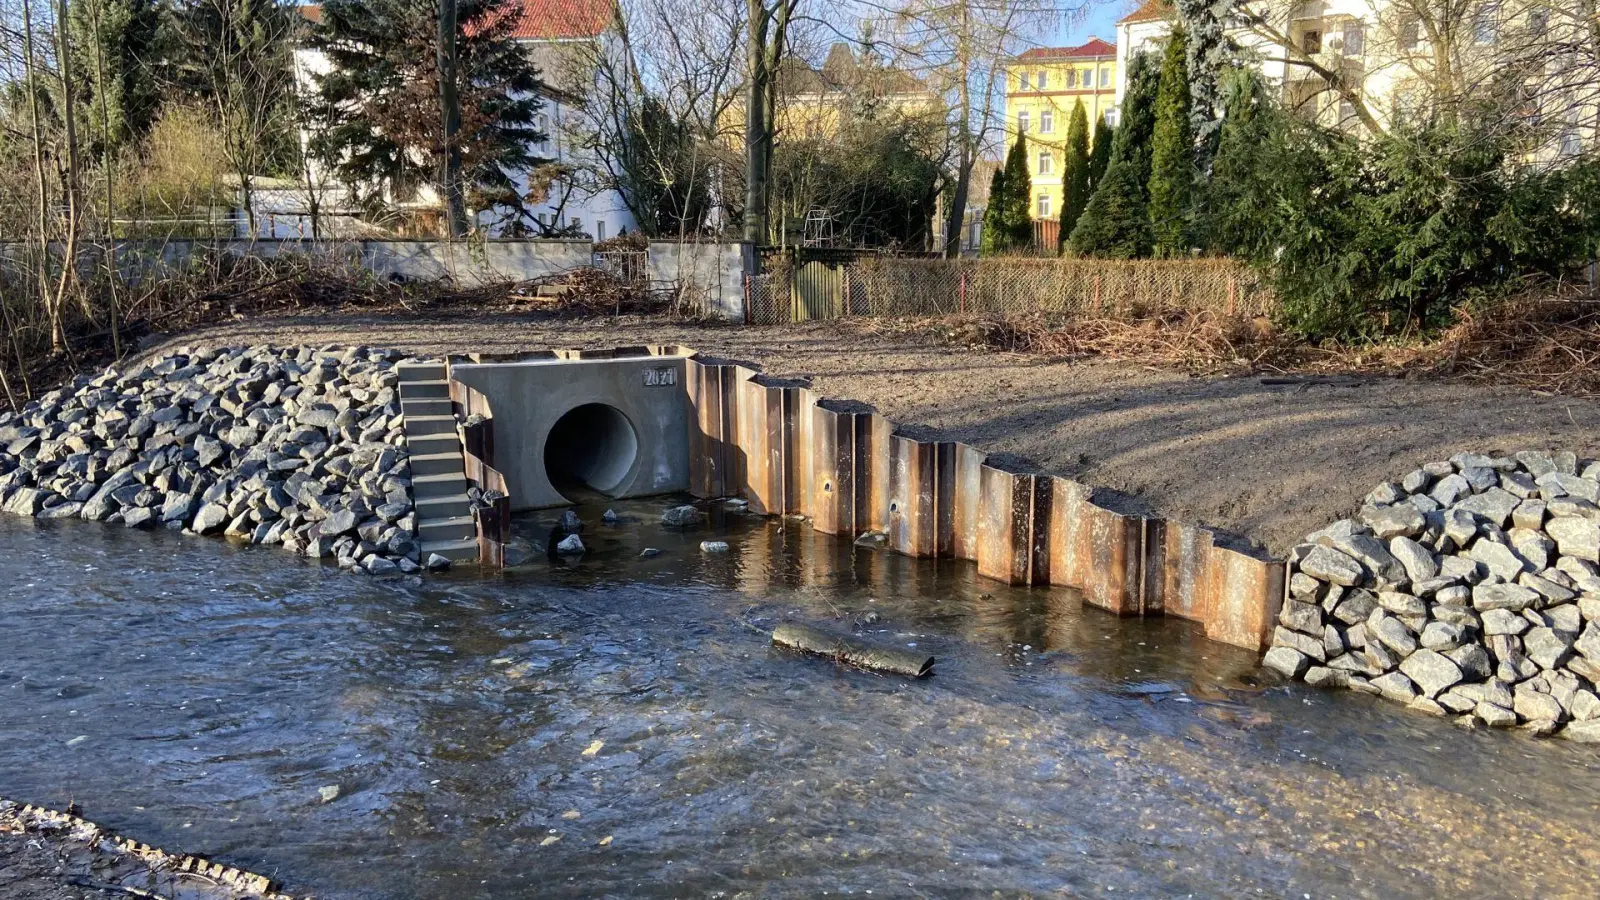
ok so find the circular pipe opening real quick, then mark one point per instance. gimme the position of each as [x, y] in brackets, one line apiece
[592, 447]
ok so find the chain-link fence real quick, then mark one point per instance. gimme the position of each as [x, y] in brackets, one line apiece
[1007, 287]
[1004, 287]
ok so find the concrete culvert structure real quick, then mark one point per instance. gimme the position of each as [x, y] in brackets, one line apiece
[591, 447]
[562, 427]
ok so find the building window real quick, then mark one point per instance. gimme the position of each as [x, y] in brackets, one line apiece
[1047, 162]
[600, 230]
[1410, 33]
[1022, 81]
[1347, 112]
[1570, 145]
[1538, 22]
[1047, 121]
[577, 224]
[1042, 81]
[1044, 206]
[1105, 76]
[1486, 25]
[1355, 39]
[1311, 42]
[1022, 122]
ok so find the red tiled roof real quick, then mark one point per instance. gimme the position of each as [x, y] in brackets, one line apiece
[1092, 48]
[547, 20]
[539, 20]
[1149, 11]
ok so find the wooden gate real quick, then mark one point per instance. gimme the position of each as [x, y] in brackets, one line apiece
[819, 290]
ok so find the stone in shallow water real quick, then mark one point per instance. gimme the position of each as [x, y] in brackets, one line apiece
[571, 545]
[1396, 687]
[1432, 672]
[1287, 661]
[1495, 716]
[681, 517]
[1536, 707]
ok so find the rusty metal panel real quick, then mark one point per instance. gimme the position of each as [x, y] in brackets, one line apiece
[873, 465]
[799, 416]
[913, 497]
[1187, 560]
[1039, 523]
[708, 451]
[734, 412]
[1246, 594]
[966, 501]
[1070, 547]
[1005, 526]
[944, 495]
[1113, 576]
[760, 446]
[1153, 567]
[833, 493]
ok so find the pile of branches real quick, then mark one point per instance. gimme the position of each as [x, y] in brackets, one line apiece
[213, 287]
[1537, 341]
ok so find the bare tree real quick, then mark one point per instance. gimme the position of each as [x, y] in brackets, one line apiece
[767, 35]
[962, 48]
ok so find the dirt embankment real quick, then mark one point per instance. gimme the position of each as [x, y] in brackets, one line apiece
[1269, 461]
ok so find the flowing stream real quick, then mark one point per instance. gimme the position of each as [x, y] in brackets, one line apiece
[621, 727]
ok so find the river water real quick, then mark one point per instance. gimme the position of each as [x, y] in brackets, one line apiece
[621, 727]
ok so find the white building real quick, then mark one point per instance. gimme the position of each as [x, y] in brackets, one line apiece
[561, 36]
[1379, 50]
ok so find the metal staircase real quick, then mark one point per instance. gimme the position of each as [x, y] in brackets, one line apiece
[438, 473]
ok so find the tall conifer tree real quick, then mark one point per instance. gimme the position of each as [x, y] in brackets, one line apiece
[1172, 154]
[1075, 174]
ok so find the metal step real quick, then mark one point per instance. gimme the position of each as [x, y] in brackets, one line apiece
[434, 371]
[449, 442]
[421, 425]
[458, 528]
[424, 390]
[443, 507]
[436, 463]
[427, 406]
[424, 486]
[458, 551]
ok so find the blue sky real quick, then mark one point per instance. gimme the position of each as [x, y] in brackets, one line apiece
[1099, 21]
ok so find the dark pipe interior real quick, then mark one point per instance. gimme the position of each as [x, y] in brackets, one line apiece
[591, 448]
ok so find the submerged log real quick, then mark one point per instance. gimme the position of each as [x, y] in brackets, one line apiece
[852, 651]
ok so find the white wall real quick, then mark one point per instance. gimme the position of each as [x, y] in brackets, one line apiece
[600, 212]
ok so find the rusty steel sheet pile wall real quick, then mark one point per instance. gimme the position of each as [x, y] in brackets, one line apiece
[788, 451]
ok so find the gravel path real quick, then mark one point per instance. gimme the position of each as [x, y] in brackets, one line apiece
[1270, 462]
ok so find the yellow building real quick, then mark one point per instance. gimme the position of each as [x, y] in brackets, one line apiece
[1042, 85]
[812, 102]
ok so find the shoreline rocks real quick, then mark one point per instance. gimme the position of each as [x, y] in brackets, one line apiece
[297, 446]
[1469, 588]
